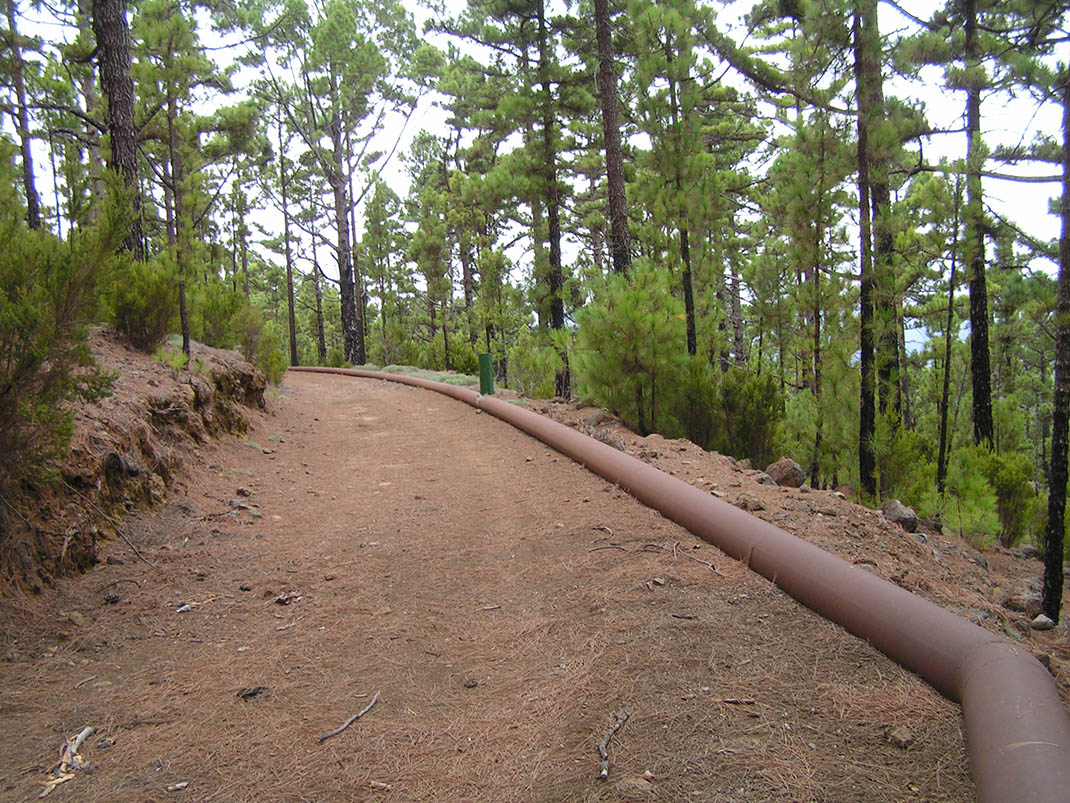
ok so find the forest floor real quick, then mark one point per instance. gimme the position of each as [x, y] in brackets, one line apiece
[500, 605]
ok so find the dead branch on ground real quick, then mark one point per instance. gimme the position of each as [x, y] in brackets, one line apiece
[603, 752]
[350, 721]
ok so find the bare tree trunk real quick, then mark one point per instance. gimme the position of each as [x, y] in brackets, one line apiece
[113, 57]
[980, 370]
[1054, 532]
[945, 396]
[607, 88]
[21, 116]
[553, 202]
[177, 177]
[867, 463]
[283, 185]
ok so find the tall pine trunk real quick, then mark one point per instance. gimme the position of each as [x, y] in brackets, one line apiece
[553, 202]
[607, 90]
[22, 120]
[113, 58]
[352, 327]
[980, 370]
[283, 186]
[945, 394]
[1054, 532]
[174, 151]
[867, 463]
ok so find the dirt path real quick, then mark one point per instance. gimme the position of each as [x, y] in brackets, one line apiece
[504, 602]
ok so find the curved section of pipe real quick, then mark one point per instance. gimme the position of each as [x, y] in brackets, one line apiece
[1017, 729]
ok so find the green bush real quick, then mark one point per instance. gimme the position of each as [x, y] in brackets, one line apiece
[532, 366]
[336, 358]
[970, 508]
[142, 303]
[630, 348]
[907, 466]
[213, 307]
[48, 293]
[1011, 479]
[698, 402]
[259, 342]
[752, 409]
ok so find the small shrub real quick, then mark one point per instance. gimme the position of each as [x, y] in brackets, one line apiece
[532, 366]
[259, 342]
[1011, 479]
[630, 347]
[142, 303]
[698, 400]
[752, 410]
[175, 359]
[335, 358]
[970, 506]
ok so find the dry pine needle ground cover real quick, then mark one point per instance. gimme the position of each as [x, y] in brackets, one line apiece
[504, 603]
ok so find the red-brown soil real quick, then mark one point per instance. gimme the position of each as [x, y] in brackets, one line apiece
[503, 602]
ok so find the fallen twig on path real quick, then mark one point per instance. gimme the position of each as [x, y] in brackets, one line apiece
[705, 563]
[603, 752]
[350, 721]
[608, 546]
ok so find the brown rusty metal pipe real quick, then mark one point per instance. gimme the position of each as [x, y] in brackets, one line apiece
[1017, 729]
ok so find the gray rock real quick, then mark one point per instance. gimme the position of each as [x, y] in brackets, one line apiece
[787, 472]
[1042, 622]
[747, 501]
[901, 737]
[898, 513]
[804, 488]
[1028, 552]
[763, 479]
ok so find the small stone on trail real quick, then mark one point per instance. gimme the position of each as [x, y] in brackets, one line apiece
[529, 459]
[328, 577]
[749, 502]
[901, 737]
[77, 619]
[245, 588]
[243, 492]
[114, 561]
[1042, 622]
[471, 683]
[659, 581]
[184, 608]
[804, 488]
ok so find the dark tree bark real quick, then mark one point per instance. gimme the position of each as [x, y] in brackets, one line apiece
[1054, 532]
[867, 463]
[980, 370]
[945, 395]
[113, 59]
[174, 151]
[21, 116]
[352, 326]
[553, 202]
[607, 89]
[284, 187]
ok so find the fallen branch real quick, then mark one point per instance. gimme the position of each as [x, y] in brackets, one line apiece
[108, 519]
[705, 563]
[350, 721]
[618, 723]
[81, 683]
[608, 546]
[605, 528]
[69, 760]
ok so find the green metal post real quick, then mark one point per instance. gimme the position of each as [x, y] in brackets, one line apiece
[486, 375]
